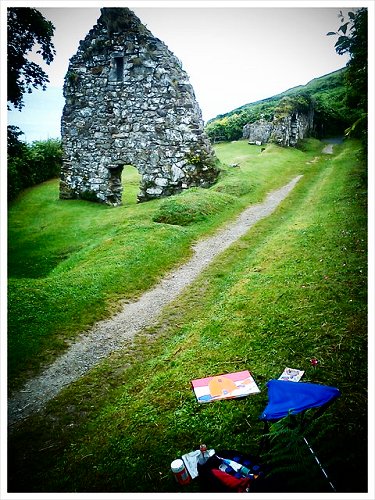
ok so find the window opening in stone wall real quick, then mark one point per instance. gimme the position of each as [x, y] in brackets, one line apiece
[119, 63]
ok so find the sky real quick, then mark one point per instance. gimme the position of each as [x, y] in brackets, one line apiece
[234, 52]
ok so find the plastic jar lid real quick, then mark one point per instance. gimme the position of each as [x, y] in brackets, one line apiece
[177, 465]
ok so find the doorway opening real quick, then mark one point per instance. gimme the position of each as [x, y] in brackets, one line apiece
[130, 180]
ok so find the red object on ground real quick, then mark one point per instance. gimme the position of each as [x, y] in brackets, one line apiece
[233, 483]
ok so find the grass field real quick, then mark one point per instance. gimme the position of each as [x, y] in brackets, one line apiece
[294, 288]
[70, 261]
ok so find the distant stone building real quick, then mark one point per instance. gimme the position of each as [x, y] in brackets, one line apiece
[128, 101]
[285, 130]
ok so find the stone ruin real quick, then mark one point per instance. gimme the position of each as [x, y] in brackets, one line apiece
[285, 130]
[128, 101]
[258, 132]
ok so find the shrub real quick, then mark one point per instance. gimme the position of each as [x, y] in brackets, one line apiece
[31, 164]
[46, 159]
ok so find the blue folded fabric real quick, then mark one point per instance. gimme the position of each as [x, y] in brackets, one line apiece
[286, 397]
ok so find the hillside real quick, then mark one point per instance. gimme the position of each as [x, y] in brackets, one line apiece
[327, 94]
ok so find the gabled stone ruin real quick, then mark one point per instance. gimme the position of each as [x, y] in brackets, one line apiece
[287, 128]
[128, 101]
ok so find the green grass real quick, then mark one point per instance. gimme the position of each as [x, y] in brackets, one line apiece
[71, 261]
[194, 205]
[293, 288]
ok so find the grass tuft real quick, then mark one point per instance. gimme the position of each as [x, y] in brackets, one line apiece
[194, 205]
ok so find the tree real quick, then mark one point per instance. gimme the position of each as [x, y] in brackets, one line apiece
[26, 28]
[352, 39]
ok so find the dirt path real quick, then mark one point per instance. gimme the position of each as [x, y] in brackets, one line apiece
[111, 334]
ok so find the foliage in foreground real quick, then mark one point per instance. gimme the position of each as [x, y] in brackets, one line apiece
[293, 288]
[26, 28]
[352, 38]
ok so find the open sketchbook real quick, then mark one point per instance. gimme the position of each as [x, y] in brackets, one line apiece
[226, 386]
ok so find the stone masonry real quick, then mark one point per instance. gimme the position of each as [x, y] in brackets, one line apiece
[258, 132]
[290, 129]
[128, 101]
[285, 130]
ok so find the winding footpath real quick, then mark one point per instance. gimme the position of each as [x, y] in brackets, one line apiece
[112, 334]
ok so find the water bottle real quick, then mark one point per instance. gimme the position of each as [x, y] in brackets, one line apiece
[244, 471]
[204, 455]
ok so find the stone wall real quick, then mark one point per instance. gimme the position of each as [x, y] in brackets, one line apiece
[283, 130]
[258, 132]
[290, 129]
[128, 101]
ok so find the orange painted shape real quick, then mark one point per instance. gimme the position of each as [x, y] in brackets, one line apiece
[221, 385]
